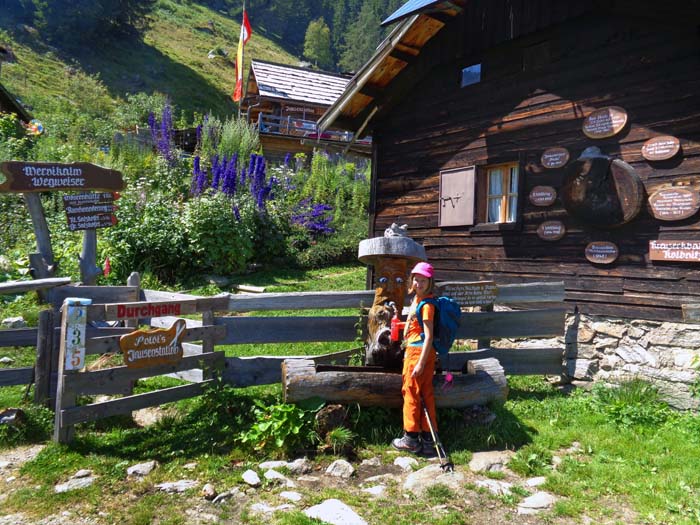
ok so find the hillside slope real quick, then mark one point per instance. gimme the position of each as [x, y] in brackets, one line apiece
[172, 58]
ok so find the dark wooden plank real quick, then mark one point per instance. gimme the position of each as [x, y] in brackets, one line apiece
[262, 330]
[98, 294]
[16, 376]
[119, 380]
[125, 405]
[526, 323]
[103, 345]
[518, 361]
[18, 337]
[266, 370]
[299, 300]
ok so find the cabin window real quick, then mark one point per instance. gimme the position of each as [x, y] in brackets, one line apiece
[502, 193]
[471, 75]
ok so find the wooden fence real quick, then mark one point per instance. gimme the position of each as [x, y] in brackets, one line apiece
[75, 380]
[199, 360]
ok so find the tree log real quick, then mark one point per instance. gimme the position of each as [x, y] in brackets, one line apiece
[302, 379]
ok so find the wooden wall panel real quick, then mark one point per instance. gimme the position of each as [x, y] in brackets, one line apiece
[601, 58]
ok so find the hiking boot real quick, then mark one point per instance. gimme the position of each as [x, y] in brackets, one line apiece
[407, 443]
[428, 448]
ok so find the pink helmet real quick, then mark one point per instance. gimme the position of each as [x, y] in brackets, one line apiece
[423, 268]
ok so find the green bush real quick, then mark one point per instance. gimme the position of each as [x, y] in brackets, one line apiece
[150, 236]
[217, 239]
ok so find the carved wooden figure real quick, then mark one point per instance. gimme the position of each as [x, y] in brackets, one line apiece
[391, 256]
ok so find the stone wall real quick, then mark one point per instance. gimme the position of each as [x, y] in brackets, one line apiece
[614, 350]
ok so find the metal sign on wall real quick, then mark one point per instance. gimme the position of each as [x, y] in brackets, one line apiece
[53, 176]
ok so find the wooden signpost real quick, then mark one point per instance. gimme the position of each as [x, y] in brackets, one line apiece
[30, 178]
[602, 252]
[543, 196]
[605, 122]
[86, 211]
[553, 158]
[674, 250]
[661, 148]
[674, 204]
[53, 176]
[477, 293]
[551, 230]
[145, 348]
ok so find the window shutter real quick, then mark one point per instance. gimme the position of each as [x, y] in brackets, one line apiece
[457, 197]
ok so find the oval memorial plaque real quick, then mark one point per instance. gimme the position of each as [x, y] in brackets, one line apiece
[551, 230]
[661, 148]
[605, 122]
[602, 252]
[674, 204]
[555, 157]
[543, 195]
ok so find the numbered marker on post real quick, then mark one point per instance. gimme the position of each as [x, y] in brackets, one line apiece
[76, 327]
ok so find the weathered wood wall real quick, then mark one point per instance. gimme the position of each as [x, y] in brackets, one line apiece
[588, 57]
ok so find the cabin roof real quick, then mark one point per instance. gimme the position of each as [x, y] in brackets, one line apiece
[283, 82]
[369, 91]
[395, 53]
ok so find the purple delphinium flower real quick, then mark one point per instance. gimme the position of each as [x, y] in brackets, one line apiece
[315, 218]
[152, 126]
[237, 212]
[286, 159]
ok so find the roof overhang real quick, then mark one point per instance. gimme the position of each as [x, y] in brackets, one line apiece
[359, 103]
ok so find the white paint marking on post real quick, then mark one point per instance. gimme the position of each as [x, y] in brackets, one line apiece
[76, 322]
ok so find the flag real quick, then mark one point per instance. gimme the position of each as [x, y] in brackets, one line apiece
[245, 36]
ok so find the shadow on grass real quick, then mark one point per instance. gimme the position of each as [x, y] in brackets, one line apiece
[210, 426]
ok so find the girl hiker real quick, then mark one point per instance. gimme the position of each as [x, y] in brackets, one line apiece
[418, 368]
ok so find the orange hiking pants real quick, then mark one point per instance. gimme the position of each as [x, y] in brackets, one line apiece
[412, 388]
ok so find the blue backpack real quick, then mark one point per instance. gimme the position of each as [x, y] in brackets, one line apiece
[447, 317]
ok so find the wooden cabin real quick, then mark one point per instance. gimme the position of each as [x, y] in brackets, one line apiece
[483, 115]
[286, 101]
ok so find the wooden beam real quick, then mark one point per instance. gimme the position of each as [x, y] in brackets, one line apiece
[28, 286]
[18, 337]
[515, 361]
[263, 330]
[303, 380]
[16, 376]
[125, 405]
[402, 56]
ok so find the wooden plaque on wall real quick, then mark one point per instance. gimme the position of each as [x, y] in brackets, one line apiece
[605, 122]
[551, 230]
[674, 204]
[543, 195]
[602, 252]
[554, 157]
[661, 148]
[674, 250]
[477, 293]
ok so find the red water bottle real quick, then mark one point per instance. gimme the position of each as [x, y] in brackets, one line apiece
[395, 327]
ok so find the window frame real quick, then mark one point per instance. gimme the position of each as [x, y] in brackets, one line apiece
[506, 193]
[519, 159]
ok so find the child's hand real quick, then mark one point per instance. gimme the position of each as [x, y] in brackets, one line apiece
[417, 370]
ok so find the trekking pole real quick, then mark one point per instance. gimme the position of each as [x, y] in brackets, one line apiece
[445, 462]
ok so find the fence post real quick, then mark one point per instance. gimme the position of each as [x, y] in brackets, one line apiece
[71, 359]
[207, 342]
[44, 350]
[134, 279]
[485, 343]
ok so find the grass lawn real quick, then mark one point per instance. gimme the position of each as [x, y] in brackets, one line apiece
[631, 450]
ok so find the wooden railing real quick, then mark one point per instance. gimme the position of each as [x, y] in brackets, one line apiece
[302, 128]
